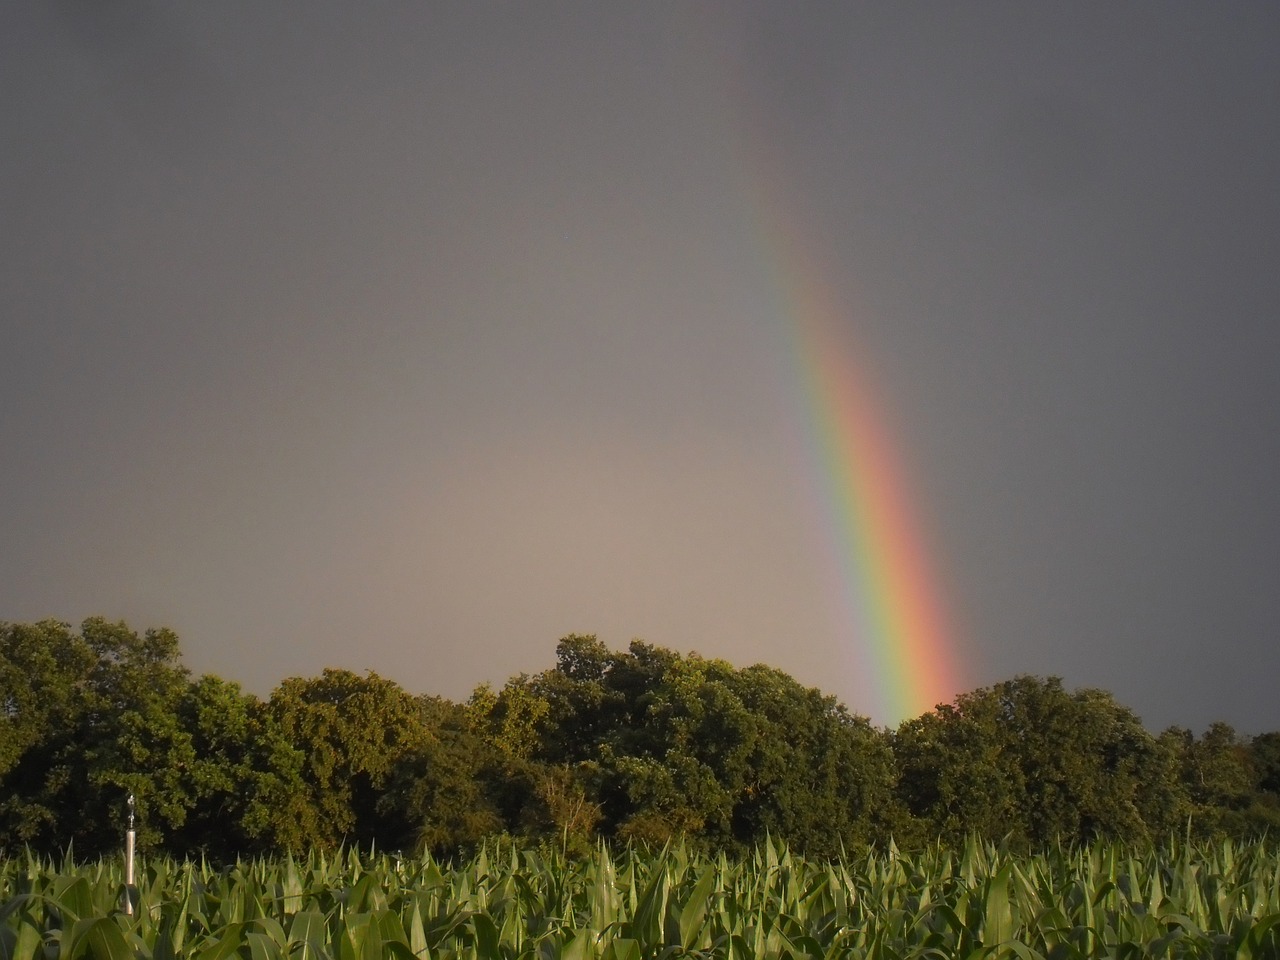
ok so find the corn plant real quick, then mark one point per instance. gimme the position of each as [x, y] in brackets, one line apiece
[509, 904]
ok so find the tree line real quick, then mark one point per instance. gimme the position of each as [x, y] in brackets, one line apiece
[642, 745]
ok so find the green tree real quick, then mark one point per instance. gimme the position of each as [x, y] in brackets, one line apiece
[1222, 782]
[100, 722]
[1028, 760]
[511, 720]
[655, 745]
[446, 789]
[1264, 750]
[954, 776]
[335, 742]
[819, 776]
[230, 769]
[43, 669]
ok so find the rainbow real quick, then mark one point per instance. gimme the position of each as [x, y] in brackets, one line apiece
[892, 618]
[890, 601]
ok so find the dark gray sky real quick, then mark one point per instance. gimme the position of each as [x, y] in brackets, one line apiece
[408, 337]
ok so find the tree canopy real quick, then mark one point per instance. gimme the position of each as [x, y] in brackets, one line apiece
[641, 745]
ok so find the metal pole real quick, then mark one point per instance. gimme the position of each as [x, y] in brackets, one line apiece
[129, 837]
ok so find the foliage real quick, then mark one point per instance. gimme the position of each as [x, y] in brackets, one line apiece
[446, 791]
[1230, 781]
[644, 745]
[351, 733]
[1105, 900]
[1028, 760]
[654, 745]
[91, 718]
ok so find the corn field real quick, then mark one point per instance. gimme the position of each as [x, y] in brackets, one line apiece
[1221, 900]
